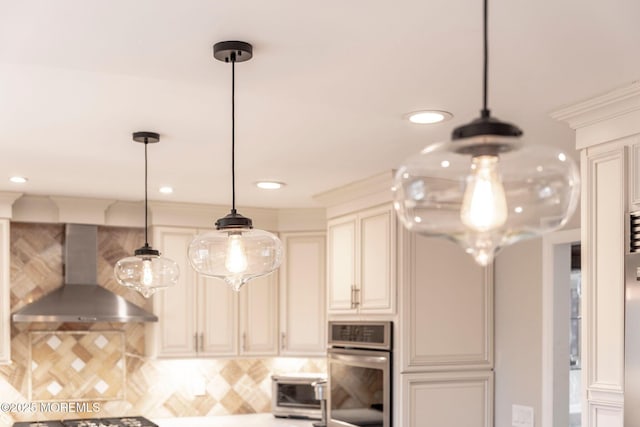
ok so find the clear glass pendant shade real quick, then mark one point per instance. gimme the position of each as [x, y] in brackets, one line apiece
[146, 273]
[485, 199]
[235, 255]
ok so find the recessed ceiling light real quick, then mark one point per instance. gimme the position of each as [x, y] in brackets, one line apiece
[18, 179]
[165, 189]
[269, 185]
[425, 117]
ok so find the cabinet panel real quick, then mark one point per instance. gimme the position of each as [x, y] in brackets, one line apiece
[5, 306]
[218, 323]
[341, 264]
[174, 306]
[258, 320]
[634, 174]
[456, 399]
[302, 295]
[604, 275]
[448, 307]
[604, 415]
[377, 267]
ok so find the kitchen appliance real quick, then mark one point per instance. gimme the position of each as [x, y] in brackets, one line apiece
[631, 322]
[320, 389]
[359, 374]
[294, 396]
[81, 299]
[91, 422]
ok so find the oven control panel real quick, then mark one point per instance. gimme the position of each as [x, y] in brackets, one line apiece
[373, 335]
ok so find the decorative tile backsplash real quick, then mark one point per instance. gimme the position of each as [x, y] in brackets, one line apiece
[75, 365]
[75, 352]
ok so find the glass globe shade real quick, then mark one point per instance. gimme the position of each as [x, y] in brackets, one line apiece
[486, 192]
[146, 273]
[235, 255]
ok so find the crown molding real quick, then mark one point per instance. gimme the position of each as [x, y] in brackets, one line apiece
[361, 194]
[7, 198]
[600, 108]
[604, 118]
[122, 213]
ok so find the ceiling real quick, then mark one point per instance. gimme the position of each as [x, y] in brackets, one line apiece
[321, 103]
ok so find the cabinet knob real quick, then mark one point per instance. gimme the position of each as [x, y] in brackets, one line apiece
[195, 342]
[283, 341]
[244, 341]
[201, 341]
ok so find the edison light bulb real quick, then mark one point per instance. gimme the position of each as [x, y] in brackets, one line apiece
[147, 273]
[484, 205]
[236, 261]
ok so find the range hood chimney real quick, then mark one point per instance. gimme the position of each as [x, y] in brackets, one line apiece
[81, 299]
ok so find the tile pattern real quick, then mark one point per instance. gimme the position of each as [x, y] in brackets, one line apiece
[154, 388]
[86, 364]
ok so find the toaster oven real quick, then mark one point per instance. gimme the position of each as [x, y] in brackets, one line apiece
[293, 396]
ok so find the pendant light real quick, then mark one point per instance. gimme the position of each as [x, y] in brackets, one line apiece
[485, 189]
[146, 271]
[235, 252]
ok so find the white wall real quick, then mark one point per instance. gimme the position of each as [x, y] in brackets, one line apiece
[518, 330]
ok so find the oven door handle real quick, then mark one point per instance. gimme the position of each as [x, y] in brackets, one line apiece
[353, 358]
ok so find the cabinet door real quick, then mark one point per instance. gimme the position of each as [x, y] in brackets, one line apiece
[341, 264]
[218, 318]
[376, 282]
[447, 310]
[634, 174]
[174, 335]
[258, 316]
[302, 295]
[5, 308]
[452, 399]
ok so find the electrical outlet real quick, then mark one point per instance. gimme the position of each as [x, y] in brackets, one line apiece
[521, 416]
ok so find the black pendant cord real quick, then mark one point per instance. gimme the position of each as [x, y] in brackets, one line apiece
[485, 111]
[486, 125]
[146, 226]
[233, 51]
[233, 133]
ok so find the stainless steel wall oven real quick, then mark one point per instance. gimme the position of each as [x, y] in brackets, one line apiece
[359, 374]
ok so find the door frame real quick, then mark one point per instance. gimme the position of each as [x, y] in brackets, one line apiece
[553, 245]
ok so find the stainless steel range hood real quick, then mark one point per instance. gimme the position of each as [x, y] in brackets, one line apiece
[81, 299]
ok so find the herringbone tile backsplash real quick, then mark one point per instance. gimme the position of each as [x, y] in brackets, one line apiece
[105, 362]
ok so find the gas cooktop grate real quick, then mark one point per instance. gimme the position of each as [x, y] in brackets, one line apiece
[91, 422]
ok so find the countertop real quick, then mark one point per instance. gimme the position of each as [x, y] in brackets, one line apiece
[249, 420]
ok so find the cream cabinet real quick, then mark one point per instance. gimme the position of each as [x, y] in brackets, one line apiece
[361, 262]
[5, 306]
[452, 399]
[447, 321]
[445, 334]
[203, 317]
[634, 174]
[259, 317]
[302, 294]
[607, 129]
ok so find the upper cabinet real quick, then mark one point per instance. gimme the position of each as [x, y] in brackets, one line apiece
[259, 316]
[204, 317]
[447, 307]
[361, 253]
[6, 212]
[5, 306]
[634, 174]
[176, 332]
[302, 294]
